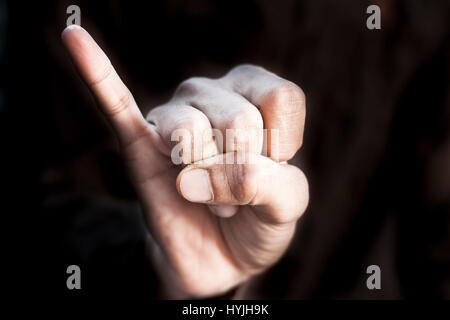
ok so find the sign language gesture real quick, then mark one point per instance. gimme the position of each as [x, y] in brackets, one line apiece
[214, 221]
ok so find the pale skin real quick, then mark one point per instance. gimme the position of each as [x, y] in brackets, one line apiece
[213, 225]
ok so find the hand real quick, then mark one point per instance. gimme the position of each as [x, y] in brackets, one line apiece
[214, 224]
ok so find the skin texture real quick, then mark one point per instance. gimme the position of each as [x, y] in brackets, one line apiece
[213, 223]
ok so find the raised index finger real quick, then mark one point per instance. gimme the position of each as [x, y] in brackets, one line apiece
[113, 97]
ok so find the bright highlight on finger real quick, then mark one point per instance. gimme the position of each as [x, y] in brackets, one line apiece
[91, 61]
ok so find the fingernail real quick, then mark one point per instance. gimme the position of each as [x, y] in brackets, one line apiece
[224, 211]
[195, 185]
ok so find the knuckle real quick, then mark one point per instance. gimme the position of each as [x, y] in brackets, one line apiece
[103, 75]
[195, 136]
[245, 131]
[122, 104]
[287, 98]
[194, 123]
[286, 106]
[246, 118]
[195, 126]
[191, 87]
[242, 180]
[246, 68]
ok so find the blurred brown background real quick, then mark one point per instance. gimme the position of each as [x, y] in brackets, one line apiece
[376, 149]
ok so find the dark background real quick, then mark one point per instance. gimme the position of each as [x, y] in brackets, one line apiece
[376, 149]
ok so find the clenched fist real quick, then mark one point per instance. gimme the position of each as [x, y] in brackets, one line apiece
[214, 221]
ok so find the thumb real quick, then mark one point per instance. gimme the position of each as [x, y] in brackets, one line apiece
[113, 97]
[277, 192]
